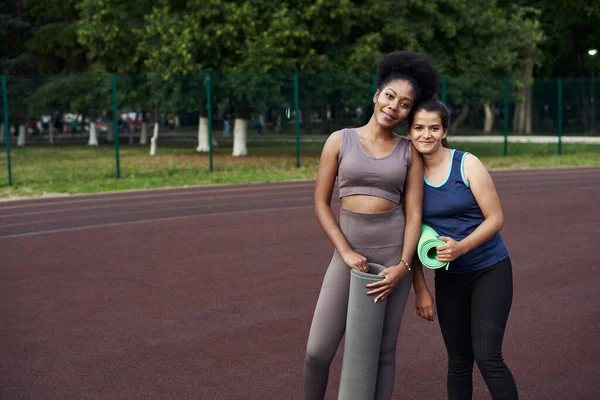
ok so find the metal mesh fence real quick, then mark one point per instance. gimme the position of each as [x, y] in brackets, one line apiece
[326, 102]
[194, 117]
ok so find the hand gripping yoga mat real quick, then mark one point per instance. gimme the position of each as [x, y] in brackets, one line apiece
[362, 344]
[426, 249]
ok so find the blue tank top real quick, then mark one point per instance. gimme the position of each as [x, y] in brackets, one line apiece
[451, 209]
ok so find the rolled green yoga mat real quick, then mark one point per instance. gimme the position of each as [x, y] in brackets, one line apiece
[426, 248]
[362, 344]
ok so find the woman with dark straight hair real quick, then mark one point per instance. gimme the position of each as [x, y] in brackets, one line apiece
[474, 295]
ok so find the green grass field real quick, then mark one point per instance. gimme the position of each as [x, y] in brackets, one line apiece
[46, 170]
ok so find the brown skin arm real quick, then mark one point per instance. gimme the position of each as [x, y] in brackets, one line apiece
[413, 210]
[325, 181]
[424, 303]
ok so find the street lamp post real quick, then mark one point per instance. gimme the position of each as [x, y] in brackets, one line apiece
[592, 53]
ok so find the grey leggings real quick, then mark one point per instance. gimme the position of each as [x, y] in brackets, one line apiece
[378, 237]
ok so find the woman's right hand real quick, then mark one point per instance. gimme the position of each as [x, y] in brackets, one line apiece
[355, 260]
[424, 304]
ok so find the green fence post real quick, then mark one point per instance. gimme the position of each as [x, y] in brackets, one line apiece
[560, 116]
[6, 129]
[297, 119]
[209, 117]
[505, 117]
[444, 88]
[116, 124]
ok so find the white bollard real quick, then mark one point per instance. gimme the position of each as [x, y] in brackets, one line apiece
[240, 127]
[153, 140]
[21, 137]
[93, 139]
[144, 133]
[203, 136]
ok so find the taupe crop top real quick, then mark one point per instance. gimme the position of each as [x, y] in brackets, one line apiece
[361, 173]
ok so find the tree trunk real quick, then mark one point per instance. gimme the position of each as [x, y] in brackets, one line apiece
[203, 145]
[144, 133]
[1, 133]
[177, 121]
[131, 134]
[240, 129]
[110, 131]
[464, 113]
[522, 117]
[21, 137]
[489, 118]
[93, 139]
[154, 139]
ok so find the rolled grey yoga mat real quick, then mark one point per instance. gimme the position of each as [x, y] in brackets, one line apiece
[364, 327]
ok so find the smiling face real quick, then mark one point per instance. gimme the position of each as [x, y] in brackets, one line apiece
[427, 132]
[393, 103]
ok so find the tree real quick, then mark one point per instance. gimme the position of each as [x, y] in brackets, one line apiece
[53, 42]
[87, 95]
[15, 29]
[477, 41]
[106, 30]
[570, 29]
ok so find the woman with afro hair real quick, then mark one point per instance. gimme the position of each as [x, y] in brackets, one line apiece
[380, 180]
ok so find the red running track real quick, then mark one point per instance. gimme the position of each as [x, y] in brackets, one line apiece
[208, 293]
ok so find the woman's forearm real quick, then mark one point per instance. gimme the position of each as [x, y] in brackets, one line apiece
[412, 232]
[331, 228]
[419, 282]
[483, 233]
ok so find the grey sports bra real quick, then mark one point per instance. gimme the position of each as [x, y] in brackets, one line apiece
[361, 173]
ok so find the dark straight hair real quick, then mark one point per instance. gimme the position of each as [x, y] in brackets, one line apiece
[437, 106]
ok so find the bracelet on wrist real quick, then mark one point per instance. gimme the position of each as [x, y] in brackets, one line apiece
[405, 263]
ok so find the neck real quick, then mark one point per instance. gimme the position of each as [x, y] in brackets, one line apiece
[374, 130]
[437, 159]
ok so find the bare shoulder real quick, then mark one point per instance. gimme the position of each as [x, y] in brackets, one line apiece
[474, 169]
[333, 142]
[335, 137]
[473, 163]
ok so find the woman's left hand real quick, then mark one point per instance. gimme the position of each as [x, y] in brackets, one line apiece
[391, 277]
[449, 251]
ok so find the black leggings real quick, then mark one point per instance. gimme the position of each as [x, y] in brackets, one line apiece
[473, 308]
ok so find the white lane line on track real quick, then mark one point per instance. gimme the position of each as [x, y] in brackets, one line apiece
[145, 221]
[506, 188]
[261, 187]
[130, 212]
[501, 185]
[155, 193]
[177, 200]
[188, 197]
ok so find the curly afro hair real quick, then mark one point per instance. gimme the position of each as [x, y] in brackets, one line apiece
[411, 66]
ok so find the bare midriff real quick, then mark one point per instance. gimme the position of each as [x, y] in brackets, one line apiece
[365, 204]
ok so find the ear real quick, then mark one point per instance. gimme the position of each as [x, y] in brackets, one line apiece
[376, 96]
